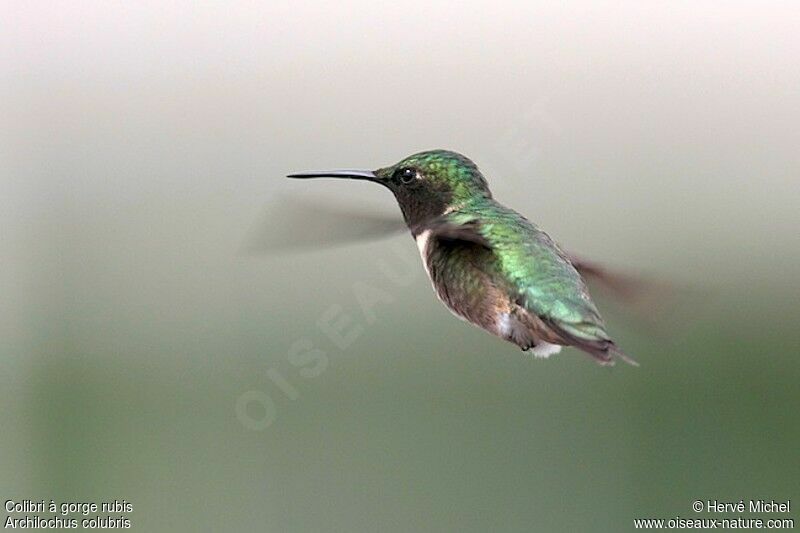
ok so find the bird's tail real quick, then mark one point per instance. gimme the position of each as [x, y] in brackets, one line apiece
[606, 353]
[591, 338]
[616, 351]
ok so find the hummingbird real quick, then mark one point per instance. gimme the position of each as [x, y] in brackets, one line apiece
[487, 263]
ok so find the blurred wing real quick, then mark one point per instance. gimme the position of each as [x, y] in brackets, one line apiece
[292, 224]
[663, 308]
[623, 286]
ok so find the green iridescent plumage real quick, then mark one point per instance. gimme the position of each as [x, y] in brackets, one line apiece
[489, 264]
[540, 274]
[449, 172]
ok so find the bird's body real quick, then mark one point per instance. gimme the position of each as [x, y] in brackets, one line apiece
[521, 287]
[487, 263]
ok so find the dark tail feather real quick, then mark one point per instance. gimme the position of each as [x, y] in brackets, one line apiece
[614, 349]
[604, 352]
[591, 339]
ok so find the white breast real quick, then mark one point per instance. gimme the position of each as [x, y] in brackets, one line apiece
[423, 241]
[422, 244]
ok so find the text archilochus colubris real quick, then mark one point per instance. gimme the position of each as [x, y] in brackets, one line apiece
[487, 263]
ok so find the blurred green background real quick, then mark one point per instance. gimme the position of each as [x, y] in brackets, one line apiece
[146, 343]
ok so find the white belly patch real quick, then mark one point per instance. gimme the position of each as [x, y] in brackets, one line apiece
[545, 350]
[504, 324]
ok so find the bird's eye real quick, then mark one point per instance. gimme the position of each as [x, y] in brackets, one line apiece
[405, 175]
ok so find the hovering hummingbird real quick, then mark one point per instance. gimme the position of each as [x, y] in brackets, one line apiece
[487, 263]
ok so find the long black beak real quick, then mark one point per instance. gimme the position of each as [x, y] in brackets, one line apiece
[367, 175]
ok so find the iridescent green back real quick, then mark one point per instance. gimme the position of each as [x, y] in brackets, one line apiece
[544, 280]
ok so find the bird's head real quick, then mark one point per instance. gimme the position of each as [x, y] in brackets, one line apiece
[425, 184]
